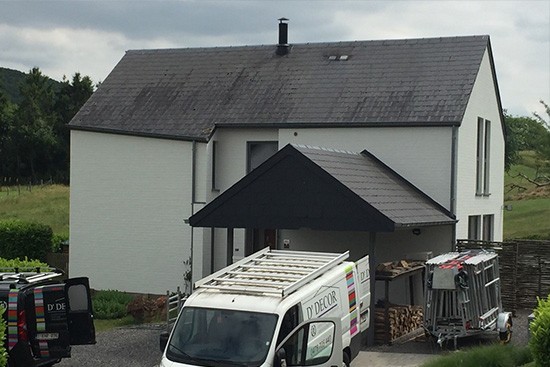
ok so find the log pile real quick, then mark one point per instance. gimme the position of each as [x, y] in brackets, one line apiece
[402, 319]
[396, 267]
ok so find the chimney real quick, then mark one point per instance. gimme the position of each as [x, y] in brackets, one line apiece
[282, 46]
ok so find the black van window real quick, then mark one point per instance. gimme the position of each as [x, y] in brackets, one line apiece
[290, 321]
[78, 297]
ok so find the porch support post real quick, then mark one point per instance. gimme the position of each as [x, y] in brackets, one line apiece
[372, 267]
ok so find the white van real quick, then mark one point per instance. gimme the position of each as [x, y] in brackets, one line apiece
[274, 308]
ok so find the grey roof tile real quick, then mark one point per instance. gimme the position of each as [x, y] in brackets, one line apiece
[380, 186]
[183, 93]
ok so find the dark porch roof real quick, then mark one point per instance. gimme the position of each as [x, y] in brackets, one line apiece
[306, 187]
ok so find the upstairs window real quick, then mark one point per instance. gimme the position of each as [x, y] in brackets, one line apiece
[483, 157]
[214, 169]
[259, 152]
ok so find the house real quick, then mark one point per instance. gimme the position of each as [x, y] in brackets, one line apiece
[203, 155]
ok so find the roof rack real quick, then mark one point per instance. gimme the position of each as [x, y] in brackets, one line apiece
[36, 275]
[272, 272]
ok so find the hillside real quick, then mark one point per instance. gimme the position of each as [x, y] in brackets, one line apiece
[10, 80]
[529, 203]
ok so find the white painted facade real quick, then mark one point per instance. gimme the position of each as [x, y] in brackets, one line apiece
[131, 195]
[483, 103]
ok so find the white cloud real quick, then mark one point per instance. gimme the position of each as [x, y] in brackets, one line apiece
[63, 37]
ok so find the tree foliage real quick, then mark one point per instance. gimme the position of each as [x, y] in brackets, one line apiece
[527, 133]
[34, 139]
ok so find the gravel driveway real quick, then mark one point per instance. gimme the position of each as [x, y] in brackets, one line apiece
[138, 346]
[133, 346]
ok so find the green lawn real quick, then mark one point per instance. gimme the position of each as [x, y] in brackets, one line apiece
[47, 204]
[528, 219]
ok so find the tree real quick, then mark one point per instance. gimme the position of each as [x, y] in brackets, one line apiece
[68, 100]
[544, 146]
[33, 132]
[6, 121]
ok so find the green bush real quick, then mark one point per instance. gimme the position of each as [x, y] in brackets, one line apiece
[486, 356]
[58, 240]
[3, 353]
[20, 239]
[110, 304]
[540, 333]
[24, 264]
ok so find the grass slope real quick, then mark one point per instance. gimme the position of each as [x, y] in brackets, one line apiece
[529, 217]
[43, 204]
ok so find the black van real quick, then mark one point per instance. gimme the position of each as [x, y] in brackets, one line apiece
[44, 316]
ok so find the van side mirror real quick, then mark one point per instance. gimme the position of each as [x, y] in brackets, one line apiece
[163, 340]
[281, 358]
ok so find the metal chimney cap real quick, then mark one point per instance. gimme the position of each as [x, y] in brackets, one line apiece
[281, 20]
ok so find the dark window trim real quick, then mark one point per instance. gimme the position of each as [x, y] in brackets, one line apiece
[487, 159]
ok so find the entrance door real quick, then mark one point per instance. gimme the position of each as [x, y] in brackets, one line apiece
[258, 239]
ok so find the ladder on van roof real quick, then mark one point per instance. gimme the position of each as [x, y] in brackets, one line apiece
[272, 272]
[28, 276]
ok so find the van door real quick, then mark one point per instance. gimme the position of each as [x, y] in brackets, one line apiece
[316, 342]
[47, 322]
[363, 271]
[79, 311]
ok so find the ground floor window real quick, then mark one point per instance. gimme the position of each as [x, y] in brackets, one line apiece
[488, 227]
[481, 227]
[474, 227]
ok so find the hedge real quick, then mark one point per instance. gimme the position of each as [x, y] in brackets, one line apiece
[19, 239]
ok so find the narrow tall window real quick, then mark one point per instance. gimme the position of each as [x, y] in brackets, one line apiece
[479, 157]
[214, 159]
[486, 157]
[474, 227]
[483, 155]
[488, 227]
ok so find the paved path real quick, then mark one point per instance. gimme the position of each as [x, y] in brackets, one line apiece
[383, 359]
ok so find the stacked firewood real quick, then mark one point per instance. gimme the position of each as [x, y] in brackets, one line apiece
[396, 267]
[401, 319]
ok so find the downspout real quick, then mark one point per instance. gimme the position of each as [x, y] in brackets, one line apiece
[193, 179]
[453, 188]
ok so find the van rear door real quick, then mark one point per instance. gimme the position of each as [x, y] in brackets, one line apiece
[363, 271]
[79, 311]
[47, 322]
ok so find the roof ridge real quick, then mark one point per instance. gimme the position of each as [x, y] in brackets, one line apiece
[332, 150]
[320, 43]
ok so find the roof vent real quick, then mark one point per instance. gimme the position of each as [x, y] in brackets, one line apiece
[282, 46]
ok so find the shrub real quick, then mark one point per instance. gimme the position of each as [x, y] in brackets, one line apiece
[486, 356]
[540, 333]
[58, 240]
[20, 239]
[24, 264]
[110, 304]
[3, 353]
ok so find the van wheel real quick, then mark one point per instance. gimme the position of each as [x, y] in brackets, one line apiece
[346, 358]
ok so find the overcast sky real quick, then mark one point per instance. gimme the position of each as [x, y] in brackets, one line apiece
[67, 36]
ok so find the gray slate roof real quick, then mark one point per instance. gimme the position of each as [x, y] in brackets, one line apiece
[380, 186]
[185, 93]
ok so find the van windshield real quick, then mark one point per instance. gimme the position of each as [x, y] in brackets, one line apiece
[215, 337]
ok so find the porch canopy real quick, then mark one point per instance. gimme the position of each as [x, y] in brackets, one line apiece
[308, 187]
